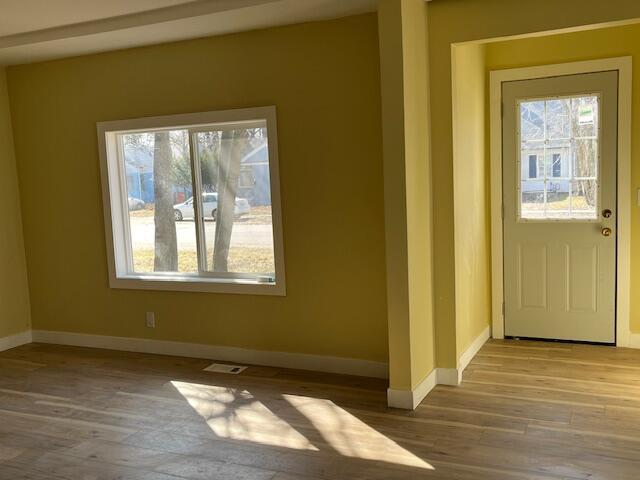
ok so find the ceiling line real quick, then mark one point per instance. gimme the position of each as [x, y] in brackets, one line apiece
[195, 8]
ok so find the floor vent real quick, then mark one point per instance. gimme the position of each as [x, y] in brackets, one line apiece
[221, 368]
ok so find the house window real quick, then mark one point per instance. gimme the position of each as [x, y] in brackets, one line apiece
[199, 227]
[533, 166]
[556, 165]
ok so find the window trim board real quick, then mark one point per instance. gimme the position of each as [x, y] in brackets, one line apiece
[120, 276]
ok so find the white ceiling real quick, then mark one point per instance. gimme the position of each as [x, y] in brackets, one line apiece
[35, 30]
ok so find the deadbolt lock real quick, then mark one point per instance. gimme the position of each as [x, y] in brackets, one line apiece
[606, 213]
[606, 231]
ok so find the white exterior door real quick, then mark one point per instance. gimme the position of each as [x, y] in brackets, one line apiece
[559, 207]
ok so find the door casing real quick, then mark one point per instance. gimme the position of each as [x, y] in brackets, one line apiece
[623, 65]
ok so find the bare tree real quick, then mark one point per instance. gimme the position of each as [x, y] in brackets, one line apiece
[585, 156]
[234, 145]
[166, 245]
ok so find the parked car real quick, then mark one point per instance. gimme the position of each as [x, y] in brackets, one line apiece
[135, 203]
[185, 210]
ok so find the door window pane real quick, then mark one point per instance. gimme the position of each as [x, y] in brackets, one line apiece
[585, 158]
[583, 198]
[557, 114]
[563, 135]
[532, 121]
[158, 172]
[532, 199]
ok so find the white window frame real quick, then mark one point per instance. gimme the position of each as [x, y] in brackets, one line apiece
[116, 208]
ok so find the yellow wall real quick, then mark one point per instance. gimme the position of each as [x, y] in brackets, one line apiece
[14, 292]
[454, 21]
[607, 42]
[324, 79]
[418, 191]
[471, 197]
[404, 75]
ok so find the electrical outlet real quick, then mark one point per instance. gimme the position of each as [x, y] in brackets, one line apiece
[150, 319]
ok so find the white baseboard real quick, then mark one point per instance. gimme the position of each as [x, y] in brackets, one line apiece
[453, 376]
[16, 340]
[473, 349]
[345, 366]
[410, 399]
[449, 376]
[634, 340]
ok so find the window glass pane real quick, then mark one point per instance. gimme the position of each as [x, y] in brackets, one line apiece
[556, 165]
[583, 198]
[238, 230]
[558, 199]
[585, 116]
[532, 121]
[565, 184]
[585, 158]
[532, 199]
[533, 166]
[158, 173]
[558, 123]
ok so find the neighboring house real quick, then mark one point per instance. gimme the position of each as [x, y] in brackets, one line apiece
[532, 169]
[139, 166]
[253, 184]
[532, 155]
[254, 177]
[139, 162]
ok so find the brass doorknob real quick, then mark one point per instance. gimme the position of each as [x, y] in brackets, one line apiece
[606, 231]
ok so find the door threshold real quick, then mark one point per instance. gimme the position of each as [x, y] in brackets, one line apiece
[556, 340]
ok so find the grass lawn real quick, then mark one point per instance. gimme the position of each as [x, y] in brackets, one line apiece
[579, 204]
[241, 260]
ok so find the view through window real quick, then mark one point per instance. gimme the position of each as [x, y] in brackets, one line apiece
[198, 202]
[559, 154]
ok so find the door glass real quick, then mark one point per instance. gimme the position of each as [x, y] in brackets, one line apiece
[559, 153]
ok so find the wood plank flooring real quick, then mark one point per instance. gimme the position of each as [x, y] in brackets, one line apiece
[525, 410]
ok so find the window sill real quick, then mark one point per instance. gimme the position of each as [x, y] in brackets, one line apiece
[197, 284]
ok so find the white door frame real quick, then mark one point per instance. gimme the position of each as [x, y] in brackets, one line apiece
[623, 269]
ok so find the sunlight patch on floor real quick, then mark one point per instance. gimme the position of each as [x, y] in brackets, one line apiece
[298, 422]
[237, 415]
[350, 436]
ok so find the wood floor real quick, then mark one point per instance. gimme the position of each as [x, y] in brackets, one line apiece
[524, 411]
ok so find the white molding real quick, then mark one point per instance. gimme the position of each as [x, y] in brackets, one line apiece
[449, 376]
[410, 399]
[345, 366]
[453, 376]
[634, 340]
[473, 349]
[623, 66]
[13, 341]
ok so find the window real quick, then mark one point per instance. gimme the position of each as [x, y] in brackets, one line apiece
[556, 165]
[533, 166]
[199, 228]
[565, 134]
